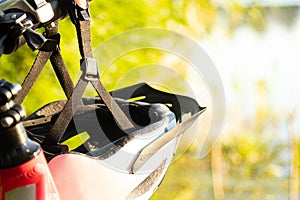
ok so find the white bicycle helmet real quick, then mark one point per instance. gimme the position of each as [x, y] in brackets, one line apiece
[109, 163]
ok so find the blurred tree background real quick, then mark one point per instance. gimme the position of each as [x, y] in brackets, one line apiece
[192, 18]
[253, 165]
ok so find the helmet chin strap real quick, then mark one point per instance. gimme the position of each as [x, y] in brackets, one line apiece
[81, 19]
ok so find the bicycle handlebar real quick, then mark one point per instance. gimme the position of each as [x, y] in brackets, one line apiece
[19, 20]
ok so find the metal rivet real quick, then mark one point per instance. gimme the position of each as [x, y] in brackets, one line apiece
[7, 121]
[13, 16]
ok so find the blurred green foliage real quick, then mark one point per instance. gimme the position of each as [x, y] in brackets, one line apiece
[255, 156]
[192, 18]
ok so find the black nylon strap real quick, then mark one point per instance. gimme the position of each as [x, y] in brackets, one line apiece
[84, 38]
[33, 74]
[62, 73]
[113, 107]
[59, 65]
[40, 62]
[66, 115]
[82, 24]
